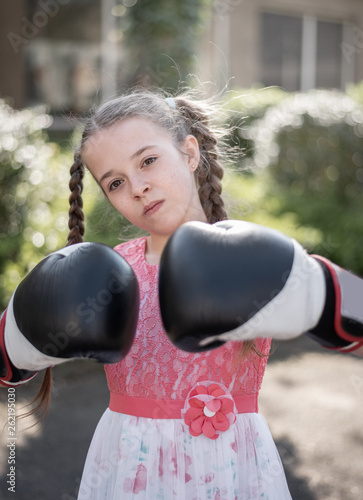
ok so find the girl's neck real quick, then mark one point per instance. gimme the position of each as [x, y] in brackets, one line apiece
[155, 243]
[154, 248]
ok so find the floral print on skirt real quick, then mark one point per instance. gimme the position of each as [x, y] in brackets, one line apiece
[149, 459]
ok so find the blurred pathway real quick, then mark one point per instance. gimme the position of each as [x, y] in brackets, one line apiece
[312, 400]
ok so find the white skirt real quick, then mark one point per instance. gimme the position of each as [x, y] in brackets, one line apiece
[150, 459]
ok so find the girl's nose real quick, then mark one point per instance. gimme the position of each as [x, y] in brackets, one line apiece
[139, 187]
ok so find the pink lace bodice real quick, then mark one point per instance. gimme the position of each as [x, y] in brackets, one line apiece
[155, 369]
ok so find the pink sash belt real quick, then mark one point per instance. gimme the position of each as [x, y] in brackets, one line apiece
[168, 408]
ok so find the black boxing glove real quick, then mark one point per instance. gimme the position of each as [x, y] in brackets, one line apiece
[236, 280]
[79, 302]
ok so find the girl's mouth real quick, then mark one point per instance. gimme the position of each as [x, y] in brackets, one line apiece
[152, 207]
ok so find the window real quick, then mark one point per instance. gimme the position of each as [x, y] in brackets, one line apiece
[63, 56]
[300, 53]
[328, 54]
[281, 51]
[73, 57]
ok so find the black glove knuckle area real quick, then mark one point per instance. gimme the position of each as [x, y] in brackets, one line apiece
[82, 304]
[210, 278]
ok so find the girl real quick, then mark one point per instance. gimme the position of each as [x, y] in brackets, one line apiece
[157, 162]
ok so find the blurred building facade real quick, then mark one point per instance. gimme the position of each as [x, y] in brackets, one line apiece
[69, 53]
[64, 53]
[295, 44]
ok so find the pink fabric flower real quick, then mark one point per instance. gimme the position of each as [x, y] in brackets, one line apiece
[209, 410]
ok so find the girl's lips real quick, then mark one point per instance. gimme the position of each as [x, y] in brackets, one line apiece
[153, 207]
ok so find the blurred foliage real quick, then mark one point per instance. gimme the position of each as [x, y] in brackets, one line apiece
[32, 217]
[356, 92]
[307, 152]
[243, 108]
[250, 198]
[161, 38]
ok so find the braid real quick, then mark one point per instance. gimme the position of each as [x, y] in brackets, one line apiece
[209, 171]
[76, 226]
[76, 215]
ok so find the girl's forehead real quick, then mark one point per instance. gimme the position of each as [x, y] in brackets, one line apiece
[132, 131]
[125, 139]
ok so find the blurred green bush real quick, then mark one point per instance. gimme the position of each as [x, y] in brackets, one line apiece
[306, 154]
[243, 107]
[32, 219]
[356, 92]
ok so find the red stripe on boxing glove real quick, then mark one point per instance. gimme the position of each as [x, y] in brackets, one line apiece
[341, 323]
[9, 374]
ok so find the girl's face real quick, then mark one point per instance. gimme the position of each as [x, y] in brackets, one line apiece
[145, 176]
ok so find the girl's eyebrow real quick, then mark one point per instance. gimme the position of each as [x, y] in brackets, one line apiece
[140, 151]
[109, 173]
[105, 175]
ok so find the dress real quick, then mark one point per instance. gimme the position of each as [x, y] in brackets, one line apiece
[155, 456]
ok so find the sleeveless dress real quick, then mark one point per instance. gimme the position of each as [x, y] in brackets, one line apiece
[181, 425]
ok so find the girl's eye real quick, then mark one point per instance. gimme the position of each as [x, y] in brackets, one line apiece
[148, 161]
[115, 184]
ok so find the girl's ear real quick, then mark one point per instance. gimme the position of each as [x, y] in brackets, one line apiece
[191, 149]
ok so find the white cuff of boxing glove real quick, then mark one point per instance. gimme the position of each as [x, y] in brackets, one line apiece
[21, 352]
[294, 310]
